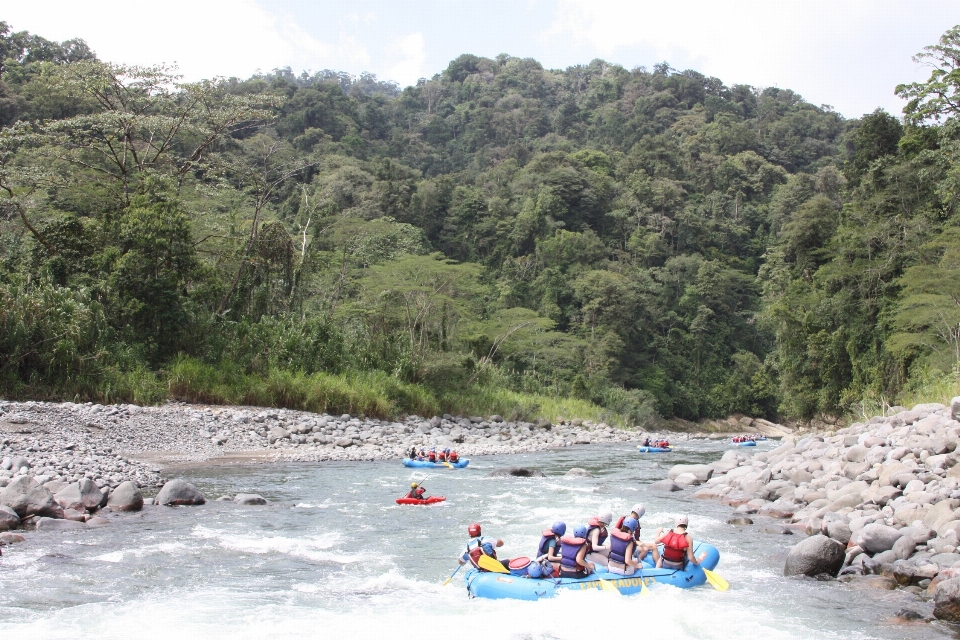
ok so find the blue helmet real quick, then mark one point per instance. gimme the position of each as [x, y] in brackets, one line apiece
[487, 548]
[631, 523]
[534, 570]
[580, 532]
[559, 527]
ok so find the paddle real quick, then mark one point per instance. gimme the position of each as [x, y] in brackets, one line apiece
[448, 464]
[447, 581]
[644, 591]
[716, 581]
[489, 564]
[607, 586]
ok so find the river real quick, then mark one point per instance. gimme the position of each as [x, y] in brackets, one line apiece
[333, 556]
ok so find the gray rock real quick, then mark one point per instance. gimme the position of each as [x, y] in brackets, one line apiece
[687, 480]
[8, 518]
[904, 547]
[277, 433]
[885, 558]
[577, 472]
[19, 462]
[702, 472]
[58, 524]
[343, 443]
[70, 498]
[920, 535]
[946, 599]
[516, 472]
[126, 497]
[739, 522]
[955, 408]
[90, 494]
[839, 530]
[28, 498]
[814, 556]
[665, 485]
[179, 492]
[250, 499]
[876, 537]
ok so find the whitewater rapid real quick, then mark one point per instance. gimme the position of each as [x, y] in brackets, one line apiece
[333, 556]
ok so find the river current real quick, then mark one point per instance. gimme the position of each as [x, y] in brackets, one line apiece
[333, 556]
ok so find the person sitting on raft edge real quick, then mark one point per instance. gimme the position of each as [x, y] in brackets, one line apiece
[549, 547]
[622, 545]
[416, 492]
[477, 547]
[597, 535]
[677, 546]
[573, 554]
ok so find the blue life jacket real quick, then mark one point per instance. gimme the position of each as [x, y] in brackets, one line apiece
[546, 537]
[619, 541]
[569, 548]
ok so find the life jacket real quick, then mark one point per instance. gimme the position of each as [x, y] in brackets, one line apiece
[674, 547]
[412, 494]
[453, 457]
[619, 541]
[432, 457]
[569, 548]
[619, 522]
[595, 524]
[545, 537]
[476, 551]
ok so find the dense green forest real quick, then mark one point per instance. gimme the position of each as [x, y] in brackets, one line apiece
[501, 237]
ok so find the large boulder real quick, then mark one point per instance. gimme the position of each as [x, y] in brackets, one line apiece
[687, 480]
[8, 518]
[91, 494]
[814, 556]
[946, 600]
[702, 472]
[28, 498]
[877, 538]
[70, 497]
[665, 485]
[58, 524]
[126, 497]
[250, 499]
[179, 492]
[516, 472]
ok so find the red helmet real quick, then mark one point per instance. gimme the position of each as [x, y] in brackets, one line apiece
[473, 530]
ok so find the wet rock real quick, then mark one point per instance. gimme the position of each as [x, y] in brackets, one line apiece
[946, 600]
[577, 472]
[876, 538]
[776, 530]
[179, 492]
[28, 498]
[516, 472]
[8, 518]
[10, 538]
[126, 497]
[702, 472]
[665, 485]
[687, 480]
[882, 583]
[58, 524]
[250, 499]
[739, 522]
[816, 555]
[908, 614]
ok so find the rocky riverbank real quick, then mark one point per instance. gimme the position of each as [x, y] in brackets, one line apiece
[880, 501]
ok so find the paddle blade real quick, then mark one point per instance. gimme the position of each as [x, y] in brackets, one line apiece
[644, 591]
[489, 564]
[448, 465]
[716, 581]
[607, 586]
[447, 581]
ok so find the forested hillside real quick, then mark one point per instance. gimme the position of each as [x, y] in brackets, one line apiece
[502, 237]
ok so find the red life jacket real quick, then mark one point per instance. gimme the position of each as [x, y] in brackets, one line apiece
[595, 524]
[475, 553]
[674, 546]
[432, 457]
[453, 457]
[619, 523]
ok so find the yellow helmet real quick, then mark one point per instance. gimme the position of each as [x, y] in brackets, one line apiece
[413, 485]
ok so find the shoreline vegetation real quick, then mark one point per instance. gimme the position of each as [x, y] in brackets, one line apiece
[593, 242]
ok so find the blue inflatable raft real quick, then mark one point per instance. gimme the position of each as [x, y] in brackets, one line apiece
[748, 443]
[426, 464]
[643, 449]
[496, 586]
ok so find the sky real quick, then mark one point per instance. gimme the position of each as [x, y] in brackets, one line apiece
[849, 54]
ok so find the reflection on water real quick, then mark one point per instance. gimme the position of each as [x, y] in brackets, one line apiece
[333, 554]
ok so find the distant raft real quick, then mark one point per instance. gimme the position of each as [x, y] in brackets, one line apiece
[430, 500]
[748, 443]
[496, 586]
[643, 449]
[426, 464]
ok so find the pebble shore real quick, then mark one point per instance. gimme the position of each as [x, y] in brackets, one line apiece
[880, 501]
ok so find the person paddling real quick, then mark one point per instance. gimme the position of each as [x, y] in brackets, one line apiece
[477, 547]
[677, 546]
[416, 492]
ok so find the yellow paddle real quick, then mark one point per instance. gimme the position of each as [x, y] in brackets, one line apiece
[489, 564]
[607, 586]
[448, 464]
[447, 581]
[644, 591]
[716, 581]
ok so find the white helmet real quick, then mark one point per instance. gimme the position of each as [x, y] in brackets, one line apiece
[605, 517]
[638, 509]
